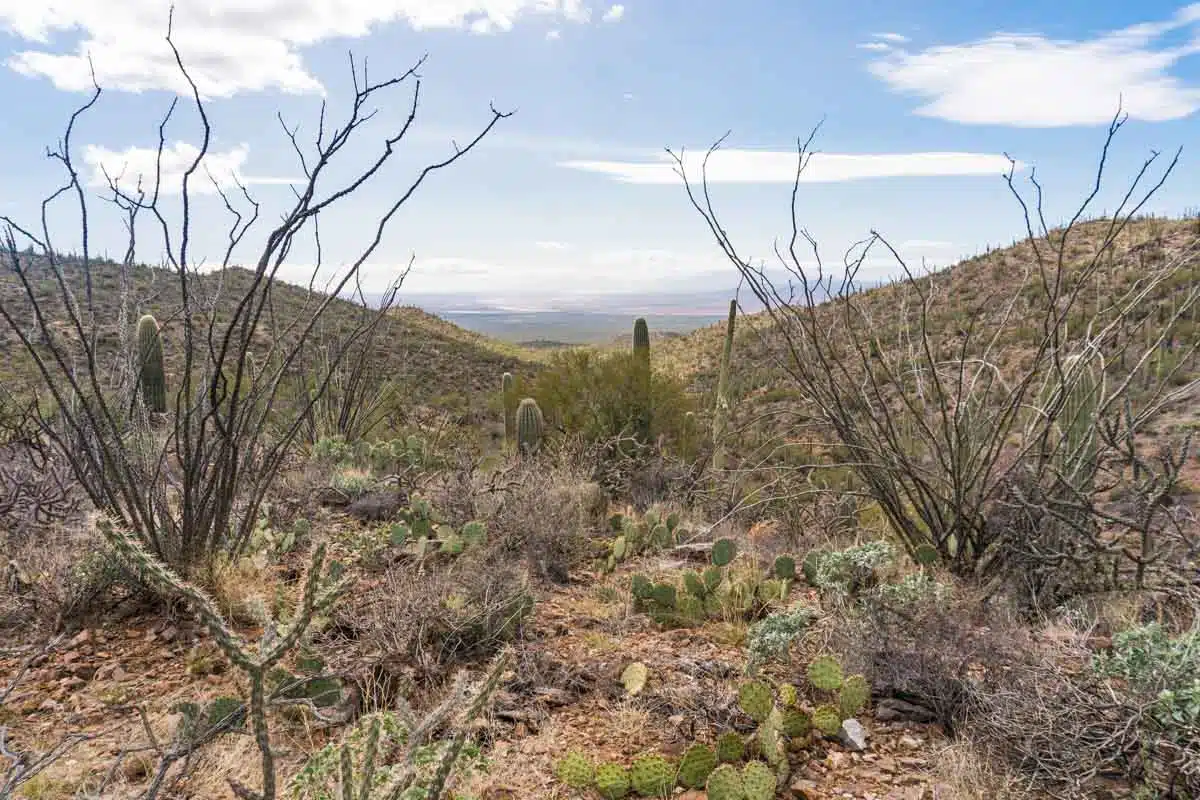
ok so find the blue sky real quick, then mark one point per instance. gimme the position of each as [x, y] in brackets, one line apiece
[572, 194]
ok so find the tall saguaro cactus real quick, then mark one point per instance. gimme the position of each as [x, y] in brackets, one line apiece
[721, 412]
[530, 426]
[151, 375]
[641, 368]
[1084, 390]
[508, 388]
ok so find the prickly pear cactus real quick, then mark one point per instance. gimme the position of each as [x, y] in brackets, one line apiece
[796, 723]
[641, 587]
[664, 594]
[785, 568]
[151, 374]
[712, 578]
[723, 551]
[770, 738]
[770, 590]
[812, 566]
[575, 770]
[612, 781]
[825, 673]
[690, 608]
[634, 677]
[619, 548]
[758, 781]
[652, 776]
[925, 554]
[827, 719]
[755, 699]
[725, 783]
[854, 695]
[694, 584]
[697, 763]
[787, 695]
[660, 534]
[730, 747]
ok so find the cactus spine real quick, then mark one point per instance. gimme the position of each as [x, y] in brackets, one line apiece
[530, 426]
[508, 388]
[151, 376]
[721, 412]
[641, 369]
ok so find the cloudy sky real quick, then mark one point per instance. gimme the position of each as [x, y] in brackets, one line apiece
[573, 193]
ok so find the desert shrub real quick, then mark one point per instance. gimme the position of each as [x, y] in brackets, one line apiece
[772, 637]
[847, 571]
[593, 395]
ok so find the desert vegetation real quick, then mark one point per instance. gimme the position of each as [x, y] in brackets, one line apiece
[931, 539]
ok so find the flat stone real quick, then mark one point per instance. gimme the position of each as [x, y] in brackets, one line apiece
[853, 735]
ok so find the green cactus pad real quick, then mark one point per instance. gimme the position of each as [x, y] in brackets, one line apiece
[641, 587]
[725, 783]
[399, 534]
[854, 695]
[712, 578]
[926, 555]
[730, 747]
[452, 544]
[812, 566]
[755, 699]
[616, 522]
[619, 548]
[661, 536]
[770, 591]
[694, 584]
[664, 595]
[770, 737]
[652, 776]
[697, 763]
[612, 781]
[787, 695]
[723, 551]
[758, 781]
[713, 607]
[825, 673]
[827, 719]
[796, 723]
[691, 609]
[672, 521]
[575, 770]
[634, 677]
[785, 568]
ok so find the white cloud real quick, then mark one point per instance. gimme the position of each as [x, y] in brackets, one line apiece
[230, 46]
[757, 166]
[126, 167]
[878, 47]
[614, 13]
[627, 96]
[896, 38]
[548, 245]
[1031, 81]
[552, 35]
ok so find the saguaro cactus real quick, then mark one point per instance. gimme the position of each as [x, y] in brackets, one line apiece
[721, 412]
[1084, 377]
[151, 376]
[641, 362]
[508, 389]
[530, 425]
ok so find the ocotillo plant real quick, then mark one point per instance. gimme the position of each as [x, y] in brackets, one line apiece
[530, 425]
[254, 662]
[641, 369]
[721, 412]
[508, 389]
[151, 376]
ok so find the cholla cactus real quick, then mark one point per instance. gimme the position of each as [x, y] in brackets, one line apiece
[530, 427]
[151, 374]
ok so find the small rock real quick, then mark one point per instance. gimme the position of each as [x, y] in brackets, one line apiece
[911, 742]
[837, 760]
[853, 736]
[81, 638]
[169, 634]
[805, 789]
[50, 704]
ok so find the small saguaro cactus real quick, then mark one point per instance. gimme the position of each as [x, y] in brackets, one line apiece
[641, 362]
[151, 376]
[530, 425]
[721, 412]
[508, 388]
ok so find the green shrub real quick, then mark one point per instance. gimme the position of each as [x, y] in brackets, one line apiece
[593, 395]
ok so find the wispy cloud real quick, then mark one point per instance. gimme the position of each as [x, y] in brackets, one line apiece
[1032, 81]
[550, 245]
[614, 13]
[895, 38]
[250, 45]
[757, 166]
[136, 166]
